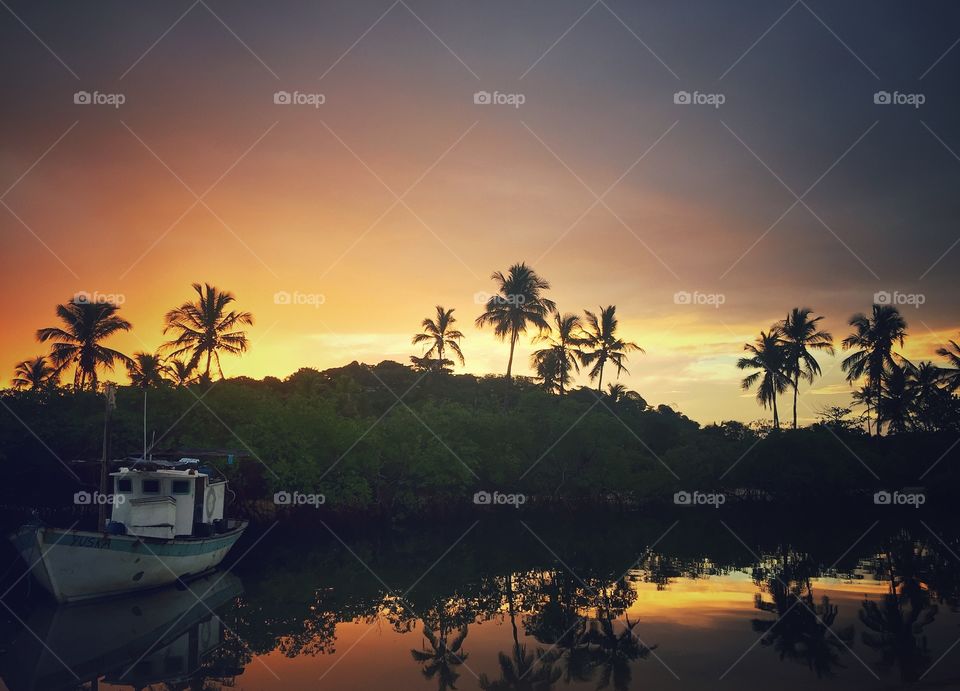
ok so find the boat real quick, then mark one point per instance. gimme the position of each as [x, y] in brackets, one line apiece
[173, 636]
[167, 524]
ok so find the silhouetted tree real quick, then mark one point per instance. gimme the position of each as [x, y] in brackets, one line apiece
[601, 344]
[204, 328]
[85, 325]
[872, 341]
[800, 334]
[768, 356]
[437, 332]
[34, 374]
[518, 304]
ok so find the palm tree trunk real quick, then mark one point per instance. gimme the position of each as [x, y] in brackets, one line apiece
[600, 380]
[796, 386]
[513, 343]
[207, 374]
[877, 427]
[776, 416]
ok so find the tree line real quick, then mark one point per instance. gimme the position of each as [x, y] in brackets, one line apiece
[894, 391]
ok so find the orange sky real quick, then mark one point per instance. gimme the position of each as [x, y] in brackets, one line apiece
[303, 199]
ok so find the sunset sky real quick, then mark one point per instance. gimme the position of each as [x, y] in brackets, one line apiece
[399, 192]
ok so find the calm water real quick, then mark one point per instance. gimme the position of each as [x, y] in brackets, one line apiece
[692, 601]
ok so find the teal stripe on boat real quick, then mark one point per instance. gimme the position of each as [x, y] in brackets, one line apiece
[119, 543]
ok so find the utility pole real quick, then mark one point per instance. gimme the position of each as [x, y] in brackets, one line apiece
[110, 393]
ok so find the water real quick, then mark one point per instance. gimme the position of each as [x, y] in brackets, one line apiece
[699, 600]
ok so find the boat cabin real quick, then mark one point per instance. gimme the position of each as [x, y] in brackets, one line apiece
[167, 500]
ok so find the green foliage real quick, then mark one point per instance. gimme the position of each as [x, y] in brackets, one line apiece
[388, 440]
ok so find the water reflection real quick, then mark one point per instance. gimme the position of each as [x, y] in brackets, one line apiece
[896, 622]
[512, 617]
[802, 628]
[166, 637]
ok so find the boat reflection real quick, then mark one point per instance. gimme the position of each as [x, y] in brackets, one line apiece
[175, 636]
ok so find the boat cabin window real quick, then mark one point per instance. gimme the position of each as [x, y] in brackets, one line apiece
[125, 485]
[180, 487]
[151, 487]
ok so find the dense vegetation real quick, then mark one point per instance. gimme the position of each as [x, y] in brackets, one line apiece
[393, 440]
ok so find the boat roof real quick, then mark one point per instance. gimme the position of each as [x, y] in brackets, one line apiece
[159, 472]
[185, 466]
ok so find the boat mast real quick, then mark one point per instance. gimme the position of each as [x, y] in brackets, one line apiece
[110, 391]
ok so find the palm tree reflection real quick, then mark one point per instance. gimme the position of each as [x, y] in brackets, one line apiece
[897, 621]
[443, 656]
[802, 629]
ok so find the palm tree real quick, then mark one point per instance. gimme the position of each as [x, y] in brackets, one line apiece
[873, 339]
[549, 371]
[35, 374]
[927, 396]
[767, 356]
[146, 370]
[518, 304]
[85, 325]
[440, 336]
[562, 354]
[864, 396]
[600, 337]
[800, 334]
[180, 372]
[205, 328]
[952, 375]
[616, 392]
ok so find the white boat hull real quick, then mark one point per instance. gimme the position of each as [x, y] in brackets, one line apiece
[76, 565]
